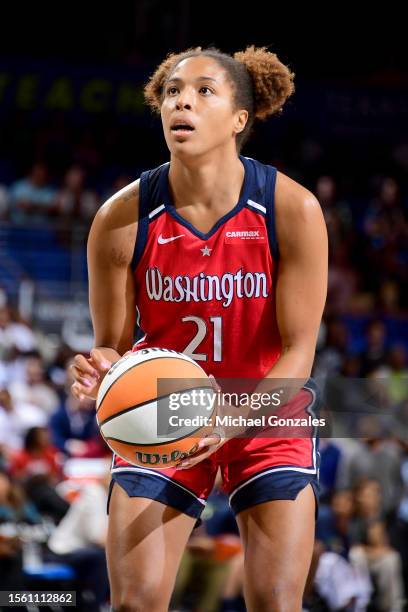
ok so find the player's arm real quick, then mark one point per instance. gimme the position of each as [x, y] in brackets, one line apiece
[112, 296]
[301, 285]
[300, 290]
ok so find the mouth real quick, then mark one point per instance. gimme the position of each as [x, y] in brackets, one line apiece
[182, 129]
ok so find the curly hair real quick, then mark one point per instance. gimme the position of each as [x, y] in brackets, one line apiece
[261, 82]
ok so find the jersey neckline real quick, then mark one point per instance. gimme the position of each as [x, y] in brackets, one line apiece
[168, 201]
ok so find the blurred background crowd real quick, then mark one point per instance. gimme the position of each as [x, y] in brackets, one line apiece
[72, 132]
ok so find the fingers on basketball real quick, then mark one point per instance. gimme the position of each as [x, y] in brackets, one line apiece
[99, 361]
[83, 365]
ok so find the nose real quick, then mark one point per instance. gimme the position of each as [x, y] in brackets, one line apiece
[185, 99]
[182, 105]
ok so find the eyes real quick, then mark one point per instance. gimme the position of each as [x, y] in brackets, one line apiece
[172, 90]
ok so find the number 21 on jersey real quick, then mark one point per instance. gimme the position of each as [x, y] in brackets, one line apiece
[202, 330]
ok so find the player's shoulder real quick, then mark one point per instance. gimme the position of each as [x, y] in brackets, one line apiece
[122, 207]
[294, 201]
[114, 227]
[298, 214]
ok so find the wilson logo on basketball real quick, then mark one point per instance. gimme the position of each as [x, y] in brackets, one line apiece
[165, 458]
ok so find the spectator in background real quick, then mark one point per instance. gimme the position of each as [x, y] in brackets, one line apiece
[14, 512]
[15, 419]
[349, 401]
[389, 302]
[375, 346]
[32, 197]
[343, 280]
[14, 506]
[38, 467]
[368, 507]
[74, 201]
[373, 458]
[15, 337]
[18, 518]
[344, 586]
[35, 389]
[337, 213]
[351, 367]
[386, 231]
[374, 551]
[385, 222]
[37, 457]
[57, 371]
[330, 458]
[329, 359]
[74, 430]
[333, 527]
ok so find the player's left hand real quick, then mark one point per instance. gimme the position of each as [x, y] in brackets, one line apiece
[208, 445]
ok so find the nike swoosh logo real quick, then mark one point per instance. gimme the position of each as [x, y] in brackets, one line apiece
[162, 240]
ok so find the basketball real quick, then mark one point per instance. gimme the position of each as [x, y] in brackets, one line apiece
[139, 413]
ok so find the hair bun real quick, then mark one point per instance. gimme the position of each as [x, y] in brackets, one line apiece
[272, 80]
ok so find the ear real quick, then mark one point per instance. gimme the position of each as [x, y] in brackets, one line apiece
[241, 118]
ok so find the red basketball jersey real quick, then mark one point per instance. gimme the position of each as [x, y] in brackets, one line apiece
[210, 295]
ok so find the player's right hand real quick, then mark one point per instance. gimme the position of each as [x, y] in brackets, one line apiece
[89, 373]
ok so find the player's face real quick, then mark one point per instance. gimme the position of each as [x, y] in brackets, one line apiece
[198, 112]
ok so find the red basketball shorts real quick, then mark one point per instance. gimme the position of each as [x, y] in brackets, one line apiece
[254, 469]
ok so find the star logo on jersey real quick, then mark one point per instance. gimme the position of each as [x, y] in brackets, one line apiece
[206, 251]
[162, 240]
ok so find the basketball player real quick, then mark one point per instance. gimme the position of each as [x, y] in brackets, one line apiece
[223, 258]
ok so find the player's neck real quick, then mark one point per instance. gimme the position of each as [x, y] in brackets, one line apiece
[216, 180]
